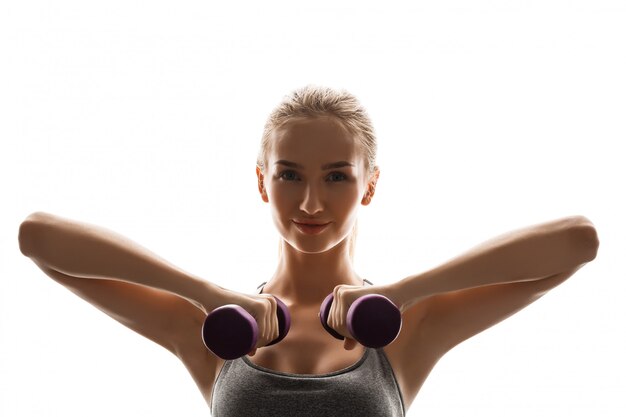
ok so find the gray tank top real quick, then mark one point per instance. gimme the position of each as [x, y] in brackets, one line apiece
[366, 388]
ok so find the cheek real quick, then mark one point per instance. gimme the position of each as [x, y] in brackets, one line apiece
[283, 205]
[283, 196]
[346, 197]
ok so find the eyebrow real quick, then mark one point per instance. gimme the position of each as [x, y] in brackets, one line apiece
[338, 164]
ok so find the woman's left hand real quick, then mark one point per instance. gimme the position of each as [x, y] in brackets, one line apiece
[344, 296]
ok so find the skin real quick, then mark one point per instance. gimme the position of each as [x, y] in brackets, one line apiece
[441, 307]
[311, 266]
[331, 196]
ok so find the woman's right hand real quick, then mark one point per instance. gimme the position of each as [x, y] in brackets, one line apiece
[260, 306]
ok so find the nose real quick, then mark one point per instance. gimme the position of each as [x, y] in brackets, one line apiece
[312, 200]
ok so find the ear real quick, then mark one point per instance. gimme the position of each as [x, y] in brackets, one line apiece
[371, 187]
[260, 178]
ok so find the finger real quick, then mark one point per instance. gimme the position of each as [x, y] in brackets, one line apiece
[334, 312]
[262, 332]
[267, 331]
[274, 317]
[337, 317]
[340, 315]
[270, 316]
[349, 344]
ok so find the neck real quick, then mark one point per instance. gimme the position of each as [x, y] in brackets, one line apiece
[305, 279]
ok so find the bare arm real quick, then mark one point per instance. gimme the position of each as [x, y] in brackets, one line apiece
[530, 254]
[139, 289]
[132, 284]
[478, 289]
[83, 250]
[118, 277]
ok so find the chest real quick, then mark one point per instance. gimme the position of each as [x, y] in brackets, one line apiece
[307, 349]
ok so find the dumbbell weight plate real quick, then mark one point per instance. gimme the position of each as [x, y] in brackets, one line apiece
[230, 331]
[324, 312]
[372, 320]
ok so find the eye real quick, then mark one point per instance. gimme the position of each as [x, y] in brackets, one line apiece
[282, 175]
[341, 175]
[286, 175]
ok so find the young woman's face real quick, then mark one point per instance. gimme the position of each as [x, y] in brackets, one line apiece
[300, 186]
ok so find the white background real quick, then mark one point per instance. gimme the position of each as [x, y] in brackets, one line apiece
[146, 117]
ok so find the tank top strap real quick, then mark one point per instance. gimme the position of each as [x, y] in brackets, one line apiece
[263, 284]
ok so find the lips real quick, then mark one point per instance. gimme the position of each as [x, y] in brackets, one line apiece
[310, 222]
[311, 229]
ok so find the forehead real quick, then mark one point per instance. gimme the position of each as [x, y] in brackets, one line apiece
[317, 139]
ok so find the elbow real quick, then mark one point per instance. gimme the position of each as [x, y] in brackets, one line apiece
[24, 237]
[27, 232]
[586, 241]
[594, 242]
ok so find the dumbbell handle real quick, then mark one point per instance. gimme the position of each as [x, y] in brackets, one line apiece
[230, 331]
[373, 320]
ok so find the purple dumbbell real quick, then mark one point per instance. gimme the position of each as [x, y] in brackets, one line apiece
[230, 331]
[373, 320]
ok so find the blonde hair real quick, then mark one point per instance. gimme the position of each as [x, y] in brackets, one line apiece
[315, 101]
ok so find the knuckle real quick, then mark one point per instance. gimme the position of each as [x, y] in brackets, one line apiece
[268, 301]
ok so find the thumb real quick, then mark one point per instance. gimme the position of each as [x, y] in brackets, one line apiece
[349, 344]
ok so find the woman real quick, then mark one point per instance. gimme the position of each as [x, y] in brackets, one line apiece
[316, 166]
